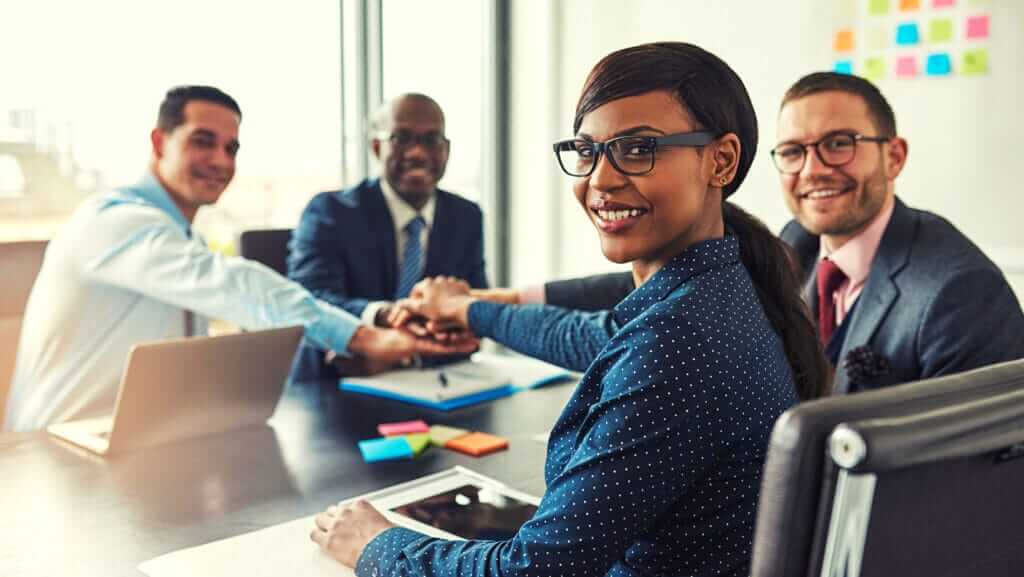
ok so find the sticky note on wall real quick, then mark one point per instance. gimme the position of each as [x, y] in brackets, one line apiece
[843, 67]
[943, 3]
[907, 34]
[874, 68]
[843, 41]
[906, 66]
[908, 5]
[977, 27]
[939, 64]
[975, 62]
[940, 30]
[878, 7]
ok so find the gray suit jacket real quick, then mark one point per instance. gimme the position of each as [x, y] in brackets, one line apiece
[933, 304]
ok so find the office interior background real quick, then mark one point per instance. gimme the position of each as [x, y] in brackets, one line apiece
[82, 81]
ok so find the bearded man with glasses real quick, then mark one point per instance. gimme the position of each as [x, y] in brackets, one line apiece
[899, 294]
[364, 248]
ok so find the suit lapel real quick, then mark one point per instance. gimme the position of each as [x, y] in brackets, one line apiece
[442, 242]
[880, 292]
[382, 228]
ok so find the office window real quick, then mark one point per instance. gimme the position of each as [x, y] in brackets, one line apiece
[83, 80]
[438, 48]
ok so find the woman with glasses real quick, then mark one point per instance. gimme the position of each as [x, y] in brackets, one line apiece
[654, 466]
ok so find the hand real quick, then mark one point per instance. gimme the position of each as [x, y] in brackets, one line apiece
[443, 300]
[343, 532]
[395, 346]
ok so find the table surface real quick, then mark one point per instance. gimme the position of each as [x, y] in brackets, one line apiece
[64, 511]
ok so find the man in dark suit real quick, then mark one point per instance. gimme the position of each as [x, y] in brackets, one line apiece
[364, 247]
[899, 294]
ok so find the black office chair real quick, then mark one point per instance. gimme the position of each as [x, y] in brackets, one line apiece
[918, 479]
[267, 246]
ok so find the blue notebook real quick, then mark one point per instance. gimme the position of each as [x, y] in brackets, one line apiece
[484, 377]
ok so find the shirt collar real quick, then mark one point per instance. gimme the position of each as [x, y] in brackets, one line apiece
[696, 259]
[401, 212]
[854, 258]
[149, 190]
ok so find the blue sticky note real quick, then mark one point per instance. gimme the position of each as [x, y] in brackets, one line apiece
[939, 64]
[907, 34]
[844, 67]
[385, 449]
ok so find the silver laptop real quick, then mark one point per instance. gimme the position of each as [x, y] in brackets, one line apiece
[179, 389]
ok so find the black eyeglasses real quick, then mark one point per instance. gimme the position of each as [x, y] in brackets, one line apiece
[833, 150]
[408, 139]
[630, 155]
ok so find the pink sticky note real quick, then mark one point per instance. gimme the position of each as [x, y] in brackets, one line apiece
[906, 66]
[977, 27]
[942, 3]
[402, 428]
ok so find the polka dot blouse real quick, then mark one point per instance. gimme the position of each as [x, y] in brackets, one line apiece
[654, 466]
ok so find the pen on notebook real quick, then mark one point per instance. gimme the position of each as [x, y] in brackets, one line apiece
[442, 378]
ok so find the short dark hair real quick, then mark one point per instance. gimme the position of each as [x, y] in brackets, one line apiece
[172, 109]
[817, 82]
[702, 83]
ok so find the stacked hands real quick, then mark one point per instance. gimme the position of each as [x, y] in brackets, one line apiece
[431, 321]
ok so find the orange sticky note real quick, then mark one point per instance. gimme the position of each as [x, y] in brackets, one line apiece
[477, 444]
[843, 40]
[908, 5]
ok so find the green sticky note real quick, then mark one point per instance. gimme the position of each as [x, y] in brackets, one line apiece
[975, 62]
[878, 7]
[940, 30]
[418, 442]
[874, 68]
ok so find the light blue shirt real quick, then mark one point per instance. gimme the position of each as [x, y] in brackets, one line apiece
[124, 270]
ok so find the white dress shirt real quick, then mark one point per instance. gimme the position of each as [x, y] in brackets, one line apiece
[401, 214]
[124, 270]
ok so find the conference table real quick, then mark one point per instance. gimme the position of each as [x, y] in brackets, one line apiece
[66, 512]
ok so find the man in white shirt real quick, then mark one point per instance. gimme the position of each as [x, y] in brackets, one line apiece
[127, 268]
[364, 247]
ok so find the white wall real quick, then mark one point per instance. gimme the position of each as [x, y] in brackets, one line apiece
[962, 132]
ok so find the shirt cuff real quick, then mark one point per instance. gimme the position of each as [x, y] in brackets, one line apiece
[369, 316]
[333, 328]
[379, 555]
[532, 295]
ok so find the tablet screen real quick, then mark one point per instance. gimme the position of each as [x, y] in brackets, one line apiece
[471, 512]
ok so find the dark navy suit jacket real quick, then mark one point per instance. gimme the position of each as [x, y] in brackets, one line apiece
[933, 304]
[343, 251]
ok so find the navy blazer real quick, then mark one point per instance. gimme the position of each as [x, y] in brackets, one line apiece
[343, 251]
[932, 305]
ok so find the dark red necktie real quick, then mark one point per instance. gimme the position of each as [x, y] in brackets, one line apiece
[829, 279]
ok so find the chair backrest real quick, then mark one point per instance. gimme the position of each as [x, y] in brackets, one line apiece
[267, 246]
[19, 265]
[917, 479]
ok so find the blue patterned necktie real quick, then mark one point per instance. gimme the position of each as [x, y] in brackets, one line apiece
[412, 257]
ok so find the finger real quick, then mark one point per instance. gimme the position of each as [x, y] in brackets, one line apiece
[417, 328]
[319, 537]
[324, 521]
